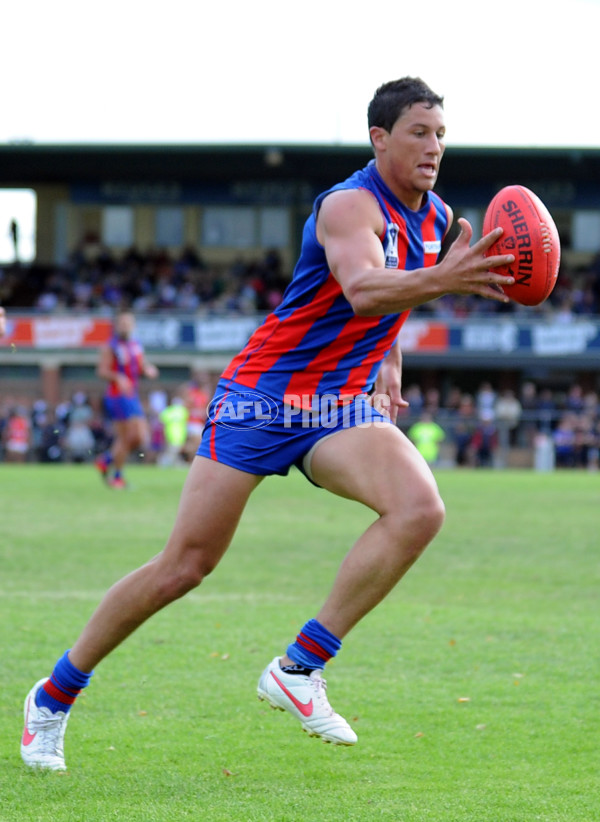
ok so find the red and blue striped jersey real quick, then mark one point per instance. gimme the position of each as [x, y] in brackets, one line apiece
[127, 357]
[313, 343]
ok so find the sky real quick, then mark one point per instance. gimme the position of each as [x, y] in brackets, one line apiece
[273, 72]
[227, 71]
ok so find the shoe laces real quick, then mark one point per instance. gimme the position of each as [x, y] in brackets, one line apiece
[50, 728]
[320, 686]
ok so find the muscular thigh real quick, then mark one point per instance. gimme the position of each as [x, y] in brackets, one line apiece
[211, 503]
[375, 465]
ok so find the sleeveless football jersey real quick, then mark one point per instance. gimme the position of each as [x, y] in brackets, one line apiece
[313, 343]
[127, 358]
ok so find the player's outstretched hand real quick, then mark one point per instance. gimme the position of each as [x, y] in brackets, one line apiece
[466, 270]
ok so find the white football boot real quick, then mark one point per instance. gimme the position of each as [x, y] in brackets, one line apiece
[42, 743]
[305, 698]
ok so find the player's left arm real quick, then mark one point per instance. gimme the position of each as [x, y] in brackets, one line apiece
[387, 396]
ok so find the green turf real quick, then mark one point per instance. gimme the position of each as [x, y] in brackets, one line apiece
[473, 687]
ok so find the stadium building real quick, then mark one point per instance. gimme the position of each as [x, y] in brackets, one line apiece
[232, 207]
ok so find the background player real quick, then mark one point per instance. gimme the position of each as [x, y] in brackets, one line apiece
[122, 363]
[369, 254]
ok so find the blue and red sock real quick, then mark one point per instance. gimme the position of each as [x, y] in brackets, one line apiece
[314, 646]
[63, 687]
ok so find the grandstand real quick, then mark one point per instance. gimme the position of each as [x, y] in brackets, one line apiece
[200, 240]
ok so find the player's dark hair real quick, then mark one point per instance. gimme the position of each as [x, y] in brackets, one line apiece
[391, 99]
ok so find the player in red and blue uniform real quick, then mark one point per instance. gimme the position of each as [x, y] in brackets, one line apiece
[122, 363]
[314, 351]
[299, 394]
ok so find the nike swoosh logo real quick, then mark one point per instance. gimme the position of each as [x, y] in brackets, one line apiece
[27, 737]
[305, 708]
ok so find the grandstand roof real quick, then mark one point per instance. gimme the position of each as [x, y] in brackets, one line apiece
[23, 165]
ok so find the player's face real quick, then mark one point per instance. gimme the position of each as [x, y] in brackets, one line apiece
[409, 156]
[124, 326]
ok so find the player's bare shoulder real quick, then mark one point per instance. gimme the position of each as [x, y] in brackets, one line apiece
[346, 210]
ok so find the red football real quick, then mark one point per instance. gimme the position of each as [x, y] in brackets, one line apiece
[530, 234]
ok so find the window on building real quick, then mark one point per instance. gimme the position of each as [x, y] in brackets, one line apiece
[118, 226]
[17, 225]
[169, 226]
[229, 226]
[274, 227]
[586, 231]
[245, 227]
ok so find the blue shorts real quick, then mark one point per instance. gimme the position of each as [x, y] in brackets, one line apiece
[256, 433]
[121, 408]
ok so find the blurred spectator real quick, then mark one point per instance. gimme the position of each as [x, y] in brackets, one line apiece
[485, 440]
[175, 420]
[414, 397]
[98, 279]
[51, 441]
[427, 435]
[508, 413]
[545, 409]
[575, 402]
[486, 401]
[586, 442]
[569, 419]
[564, 442]
[464, 424]
[196, 395]
[94, 279]
[157, 442]
[79, 441]
[16, 435]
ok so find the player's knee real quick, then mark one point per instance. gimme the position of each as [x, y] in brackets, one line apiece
[438, 513]
[422, 519]
[176, 580]
[430, 513]
[179, 582]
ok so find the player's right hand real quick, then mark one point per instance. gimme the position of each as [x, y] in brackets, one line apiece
[465, 269]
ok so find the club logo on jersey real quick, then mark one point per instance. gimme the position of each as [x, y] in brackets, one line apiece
[391, 246]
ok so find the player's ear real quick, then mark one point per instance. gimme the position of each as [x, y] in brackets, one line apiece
[378, 137]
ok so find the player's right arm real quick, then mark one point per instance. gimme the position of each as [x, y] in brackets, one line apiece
[349, 226]
[106, 371]
[2, 322]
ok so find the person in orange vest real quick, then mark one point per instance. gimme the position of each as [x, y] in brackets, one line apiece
[196, 400]
[17, 435]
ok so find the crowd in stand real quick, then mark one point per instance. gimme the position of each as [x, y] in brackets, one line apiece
[481, 427]
[470, 428]
[475, 427]
[96, 280]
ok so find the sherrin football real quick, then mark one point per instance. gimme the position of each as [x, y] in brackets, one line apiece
[531, 235]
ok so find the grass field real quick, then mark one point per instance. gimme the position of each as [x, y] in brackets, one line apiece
[473, 688]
